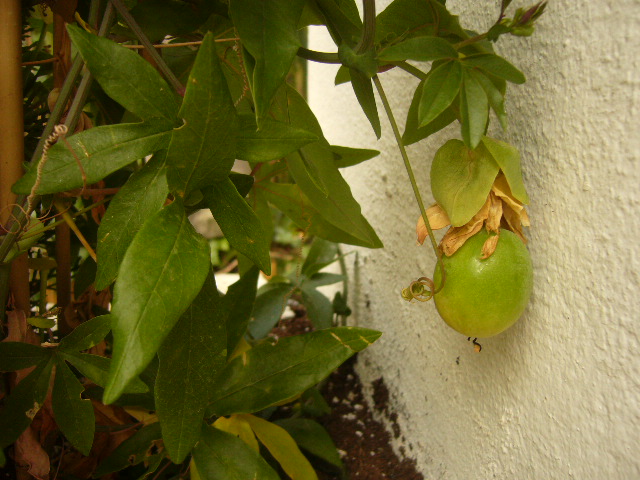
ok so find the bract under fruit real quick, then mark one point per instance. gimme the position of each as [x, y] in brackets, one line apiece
[482, 298]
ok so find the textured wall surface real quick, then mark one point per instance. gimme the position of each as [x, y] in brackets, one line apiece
[557, 395]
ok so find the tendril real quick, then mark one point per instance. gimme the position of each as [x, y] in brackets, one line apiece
[417, 291]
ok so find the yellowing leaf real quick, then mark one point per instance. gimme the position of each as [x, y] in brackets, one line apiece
[142, 415]
[238, 426]
[283, 448]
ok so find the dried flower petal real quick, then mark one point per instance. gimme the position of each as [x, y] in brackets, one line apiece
[495, 213]
[456, 236]
[437, 219]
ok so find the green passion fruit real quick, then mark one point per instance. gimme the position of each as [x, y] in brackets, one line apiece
[482, 298]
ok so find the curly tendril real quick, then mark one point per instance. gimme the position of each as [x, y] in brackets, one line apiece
[417, 291]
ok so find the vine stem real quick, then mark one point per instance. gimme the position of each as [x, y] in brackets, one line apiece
[144, 40]
[412, 178]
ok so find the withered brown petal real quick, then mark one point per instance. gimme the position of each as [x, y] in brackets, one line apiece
[495, 213]
[437, 219]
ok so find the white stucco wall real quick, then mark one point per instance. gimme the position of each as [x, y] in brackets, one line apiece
[558, 395]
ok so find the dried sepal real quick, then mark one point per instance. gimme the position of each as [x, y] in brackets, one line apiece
[490, 245]
[495, 214]
[456, 236]
[437, 219]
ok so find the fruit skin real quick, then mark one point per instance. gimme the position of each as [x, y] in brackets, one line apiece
[482, 298]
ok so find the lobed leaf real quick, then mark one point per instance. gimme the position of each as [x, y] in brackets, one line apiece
[25, 401]
[271, 373]
[190, 359]
[155, 286]
[272, 141]
[143, 195]
[237, 305]
[74, 415]
[18, 355]
[268, 30]
[87, 334]
[100, 150]
[126, 77]
[132, 451]
[223, 456]
[239, 223]
[202, 150]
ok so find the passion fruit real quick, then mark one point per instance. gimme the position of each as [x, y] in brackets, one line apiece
[482, 298]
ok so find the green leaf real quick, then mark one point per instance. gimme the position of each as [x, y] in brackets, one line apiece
[342, 20]
[294, 204]
[41, 322]
[421, 49]
[321, 279]
[440, 88]
[126, 77]
[161, 273]
[222, 456]
[74, 415]
[25, 401]
[321, 254]
[87, 334]
[337, 205]
[282, 447]
[342, 75]
[410, 18]
[238, 305]
[268, 30]
[239, 223]
[159, 18]
[143, 195]
[202, 150]
[461, 179]
[364, 93]
[274, 139]
[96, 369]
[190, 358]
[495, 97]
[271, 373]
[18, 355]
[100, 150]
[313, 438]
[319, 308]
[268, 309]
[508, 159]
[132, 451]
[497, 66]
[474, 111]
[413, 132]
[243, 183]
[347, 156]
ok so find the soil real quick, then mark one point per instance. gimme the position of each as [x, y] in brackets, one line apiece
[363, 442]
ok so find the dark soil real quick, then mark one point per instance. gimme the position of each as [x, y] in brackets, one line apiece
[363, 442]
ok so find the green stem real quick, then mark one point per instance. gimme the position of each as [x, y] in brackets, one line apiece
[469, 41]
[18, 218]
[320, 57]
[5, 271]
[144, 40]
[412, 178]
[416, 72]
[345, 284]
[369, 26]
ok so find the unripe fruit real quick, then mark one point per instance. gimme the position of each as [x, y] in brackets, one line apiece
[482, 298]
